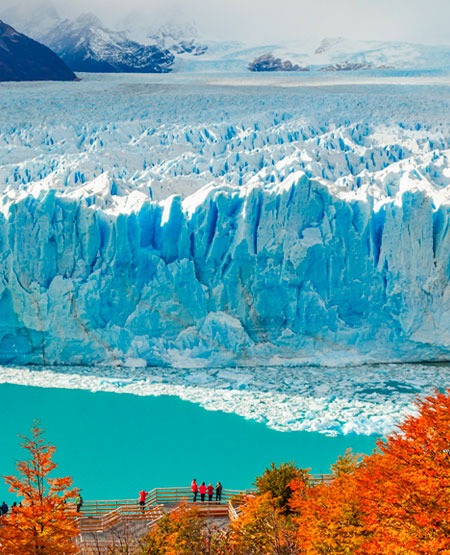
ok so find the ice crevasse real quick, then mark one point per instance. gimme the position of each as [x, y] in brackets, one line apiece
[299, 272]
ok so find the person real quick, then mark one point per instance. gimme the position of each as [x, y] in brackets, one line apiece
[79, 502]
[4, 509]
[202, 490]
[194, 489]
[142, 497]
[218, 492]
[210, 490]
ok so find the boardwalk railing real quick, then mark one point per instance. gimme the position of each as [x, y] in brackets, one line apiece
[169, 496]
[100, 520]
[159, 496]
[233, 513]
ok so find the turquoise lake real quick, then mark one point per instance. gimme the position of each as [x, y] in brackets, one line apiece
[113, 445]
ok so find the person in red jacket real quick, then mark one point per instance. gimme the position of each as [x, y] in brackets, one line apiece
[210, 490]
[202, 490]
[142, 497]
[194, 489]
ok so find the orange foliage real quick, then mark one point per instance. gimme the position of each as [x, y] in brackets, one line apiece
[42, 524]
[406, 487]
[185, 532]
[328, 517]
[397, 502]
[262, 528]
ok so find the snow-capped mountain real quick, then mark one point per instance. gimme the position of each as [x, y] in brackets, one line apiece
[339, 54]
[179, 38]
[138, 44]
[24, 59]
[86, 45]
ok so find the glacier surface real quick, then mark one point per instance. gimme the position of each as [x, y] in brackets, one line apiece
[198, 221]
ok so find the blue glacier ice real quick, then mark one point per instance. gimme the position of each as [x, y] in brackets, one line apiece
[292, 273]
[153, 222]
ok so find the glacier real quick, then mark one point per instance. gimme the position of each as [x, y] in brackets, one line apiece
[201, 221]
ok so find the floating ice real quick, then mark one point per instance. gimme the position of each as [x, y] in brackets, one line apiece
[363, 400]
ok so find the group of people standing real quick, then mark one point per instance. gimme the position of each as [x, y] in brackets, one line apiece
[196, 489]
[204, 490]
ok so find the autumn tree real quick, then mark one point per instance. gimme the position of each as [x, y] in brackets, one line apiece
[276, 480]
[405, 488]
[329, 516]
[184, 532]
[262, 528]
[395, 502]
[42, 523]
[346, 464]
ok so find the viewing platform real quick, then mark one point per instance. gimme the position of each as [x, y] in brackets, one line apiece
[104, 523]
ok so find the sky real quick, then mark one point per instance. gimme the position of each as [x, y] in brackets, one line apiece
[265, 21]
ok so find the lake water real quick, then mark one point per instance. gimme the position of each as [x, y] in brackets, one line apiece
[113, 445]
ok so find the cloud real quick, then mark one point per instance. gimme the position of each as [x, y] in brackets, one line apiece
[268, 20]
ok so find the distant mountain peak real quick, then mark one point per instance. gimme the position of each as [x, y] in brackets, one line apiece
[24, 59]
[328, 43]
[180, 37]
[9, 36]
[6, 30]
[87, 19]
[85, 44]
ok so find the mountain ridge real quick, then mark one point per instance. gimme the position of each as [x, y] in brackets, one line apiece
[140, 45]
[24, 59]
[86, 45]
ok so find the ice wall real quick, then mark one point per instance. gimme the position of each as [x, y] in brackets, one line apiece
[296, 272]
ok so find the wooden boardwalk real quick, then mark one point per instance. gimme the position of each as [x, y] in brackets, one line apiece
[123, 522]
